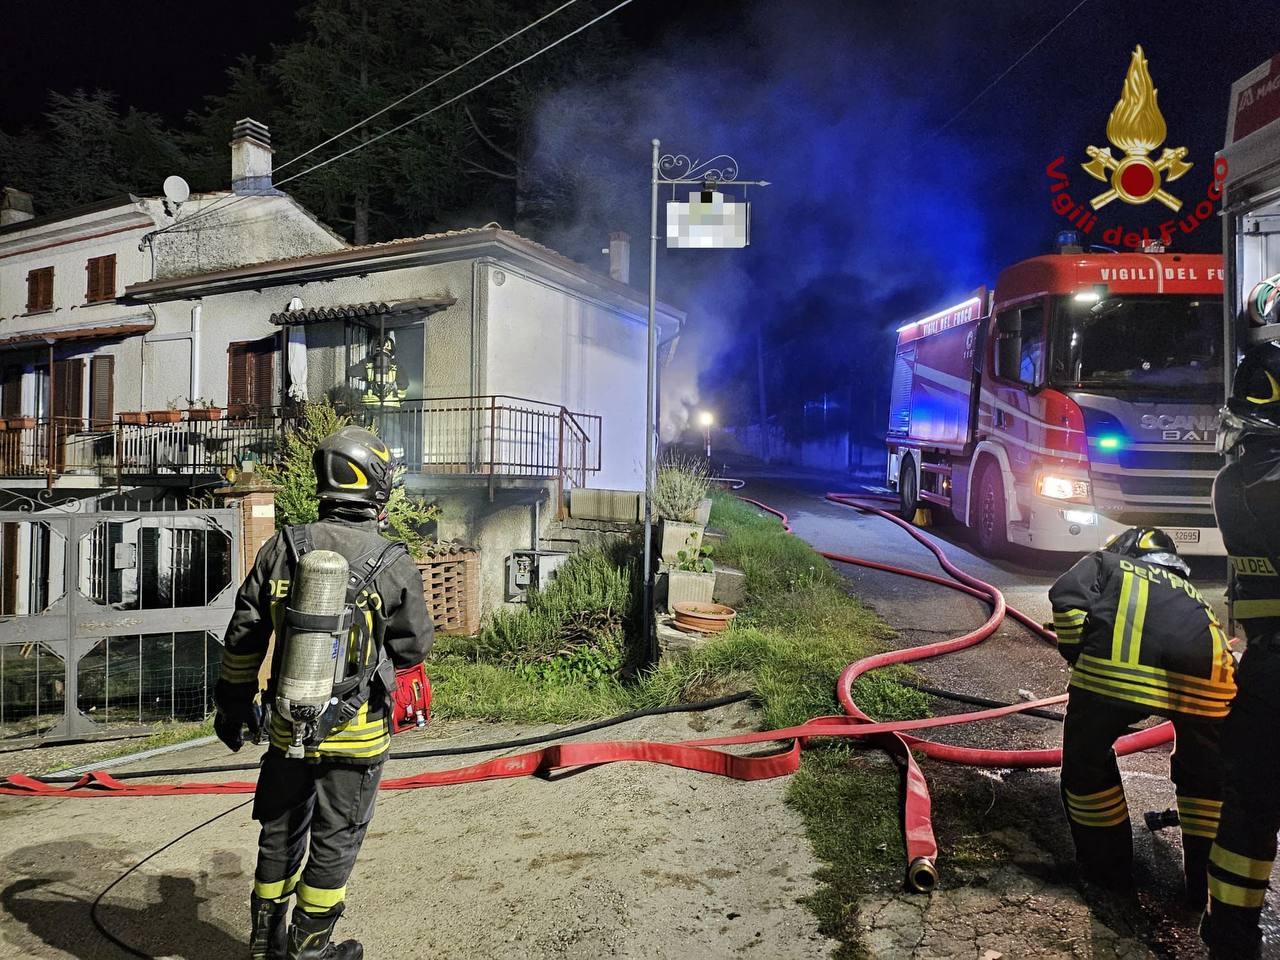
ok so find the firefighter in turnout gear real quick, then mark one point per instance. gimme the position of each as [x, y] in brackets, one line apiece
[1246, 501]
[1141, 641]
[325, 796]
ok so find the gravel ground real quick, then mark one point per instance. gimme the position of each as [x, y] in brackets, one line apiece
[627, 860]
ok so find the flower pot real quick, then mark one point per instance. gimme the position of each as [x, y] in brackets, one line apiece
[204, 413]
[21, 423]
[164, 416]
[134, 418]
[674, 536]
[687, 586]
[702, 515]
[695, 617]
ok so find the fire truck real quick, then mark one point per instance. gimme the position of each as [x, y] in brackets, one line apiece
[1079, 398]
[1251, 211]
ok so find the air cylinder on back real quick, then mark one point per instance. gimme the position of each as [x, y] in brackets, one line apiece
[308, 665]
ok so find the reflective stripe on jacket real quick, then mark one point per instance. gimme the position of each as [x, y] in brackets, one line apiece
[1142, 635]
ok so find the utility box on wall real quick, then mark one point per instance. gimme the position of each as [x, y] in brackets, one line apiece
[531, 569]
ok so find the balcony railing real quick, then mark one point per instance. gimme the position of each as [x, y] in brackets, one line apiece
[491, 436]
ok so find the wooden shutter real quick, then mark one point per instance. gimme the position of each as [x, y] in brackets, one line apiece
[101, 273]
[11, 392]
[102, 392]
[250, 369]
[263, 364]
[68, 391]
[237, 377]
[40, 290]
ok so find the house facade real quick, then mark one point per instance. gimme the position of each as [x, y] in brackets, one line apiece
[72, 355]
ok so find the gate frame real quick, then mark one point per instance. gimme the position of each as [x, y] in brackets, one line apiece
[72, 626]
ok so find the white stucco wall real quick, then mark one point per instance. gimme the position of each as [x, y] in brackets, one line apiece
[548, 343]
[226, 318]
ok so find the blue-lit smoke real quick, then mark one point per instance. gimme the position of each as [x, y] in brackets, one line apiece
[871, 216]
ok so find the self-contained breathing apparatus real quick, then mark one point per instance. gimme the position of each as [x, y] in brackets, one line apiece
[330, 659]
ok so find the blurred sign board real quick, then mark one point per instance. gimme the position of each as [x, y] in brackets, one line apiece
[708, 221]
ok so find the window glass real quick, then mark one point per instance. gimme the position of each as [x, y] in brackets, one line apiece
[1019, 351]
[32, 690]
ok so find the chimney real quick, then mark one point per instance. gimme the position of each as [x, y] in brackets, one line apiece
[620, 256]
[15, 207]
[251, 158]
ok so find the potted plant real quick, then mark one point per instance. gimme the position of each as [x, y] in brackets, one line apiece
[682, 486]
[692, 578]
[133, 418]
[202, 409]
[171, 413]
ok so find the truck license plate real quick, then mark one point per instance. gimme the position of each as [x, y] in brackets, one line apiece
[1184, 535]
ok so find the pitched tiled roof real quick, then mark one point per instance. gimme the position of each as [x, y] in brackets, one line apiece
[359, 312]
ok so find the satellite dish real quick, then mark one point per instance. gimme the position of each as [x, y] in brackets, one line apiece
[176, 190]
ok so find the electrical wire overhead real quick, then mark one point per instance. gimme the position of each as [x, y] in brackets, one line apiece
[1013, 66]
[186, 225]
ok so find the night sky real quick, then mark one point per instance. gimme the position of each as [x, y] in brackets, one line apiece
[876, 212]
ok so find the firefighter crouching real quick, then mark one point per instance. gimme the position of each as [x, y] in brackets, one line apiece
[1246, 500]
[320, 776]
[1141, 641]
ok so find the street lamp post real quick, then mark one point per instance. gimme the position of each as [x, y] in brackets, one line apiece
[721, 170]
[706, 419]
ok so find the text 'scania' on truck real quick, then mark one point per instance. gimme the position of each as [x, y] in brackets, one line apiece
[1080, 399]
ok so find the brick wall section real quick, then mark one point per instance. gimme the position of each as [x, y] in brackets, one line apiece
[256, 502]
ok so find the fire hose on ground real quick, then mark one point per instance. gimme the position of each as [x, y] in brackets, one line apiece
[896, 737]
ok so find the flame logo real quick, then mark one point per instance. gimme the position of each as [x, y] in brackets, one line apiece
[1137, 127]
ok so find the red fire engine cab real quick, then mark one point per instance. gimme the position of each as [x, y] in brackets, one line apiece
[1079, 399]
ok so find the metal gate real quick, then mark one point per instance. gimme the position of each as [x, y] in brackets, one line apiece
[111, 613]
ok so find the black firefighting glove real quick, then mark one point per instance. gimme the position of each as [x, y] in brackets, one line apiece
[231, 719]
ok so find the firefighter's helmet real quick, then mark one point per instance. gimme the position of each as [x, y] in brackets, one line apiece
[1253, 411]
[1150, 544]
[354, 467]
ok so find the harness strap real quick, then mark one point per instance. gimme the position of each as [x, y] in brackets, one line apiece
[318, 622]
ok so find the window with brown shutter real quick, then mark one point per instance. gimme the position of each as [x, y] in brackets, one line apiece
[102, 392]
[40, 290]
[101, 273]
[250, 365]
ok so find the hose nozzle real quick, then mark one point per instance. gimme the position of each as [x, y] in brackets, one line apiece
[922, 875]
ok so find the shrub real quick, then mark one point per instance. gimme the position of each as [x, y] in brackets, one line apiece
[574, 629]
[682, 485]
[296, 500]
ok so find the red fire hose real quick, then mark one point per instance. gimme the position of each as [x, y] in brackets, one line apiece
[697, 755]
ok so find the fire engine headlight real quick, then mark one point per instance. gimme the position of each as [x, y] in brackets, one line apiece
[1063, 488]
[1085, 518]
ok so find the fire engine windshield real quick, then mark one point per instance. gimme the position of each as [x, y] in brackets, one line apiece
[1138, 343]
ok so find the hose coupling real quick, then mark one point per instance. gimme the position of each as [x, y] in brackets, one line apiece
[922, 875]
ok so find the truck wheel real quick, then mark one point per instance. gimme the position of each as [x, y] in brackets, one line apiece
[989, 511]
[908, 495]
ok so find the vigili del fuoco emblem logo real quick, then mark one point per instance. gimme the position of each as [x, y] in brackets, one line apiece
[1136, 127]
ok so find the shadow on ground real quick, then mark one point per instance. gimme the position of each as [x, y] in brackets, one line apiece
[50, 889]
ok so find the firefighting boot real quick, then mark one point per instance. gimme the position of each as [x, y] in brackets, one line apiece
[269, 939]
[309, 938]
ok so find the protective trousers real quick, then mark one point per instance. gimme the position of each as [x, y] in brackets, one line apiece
[329, 803]
[1241, 860]
[1093, 794]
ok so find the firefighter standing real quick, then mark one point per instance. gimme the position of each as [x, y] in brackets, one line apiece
[328, 796]
[1246, 500]
[1141, 641]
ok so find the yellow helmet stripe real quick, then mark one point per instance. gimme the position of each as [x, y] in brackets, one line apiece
[1275, 391]
[360, 483]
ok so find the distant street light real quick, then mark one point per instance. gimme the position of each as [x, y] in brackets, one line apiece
[706, 419]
